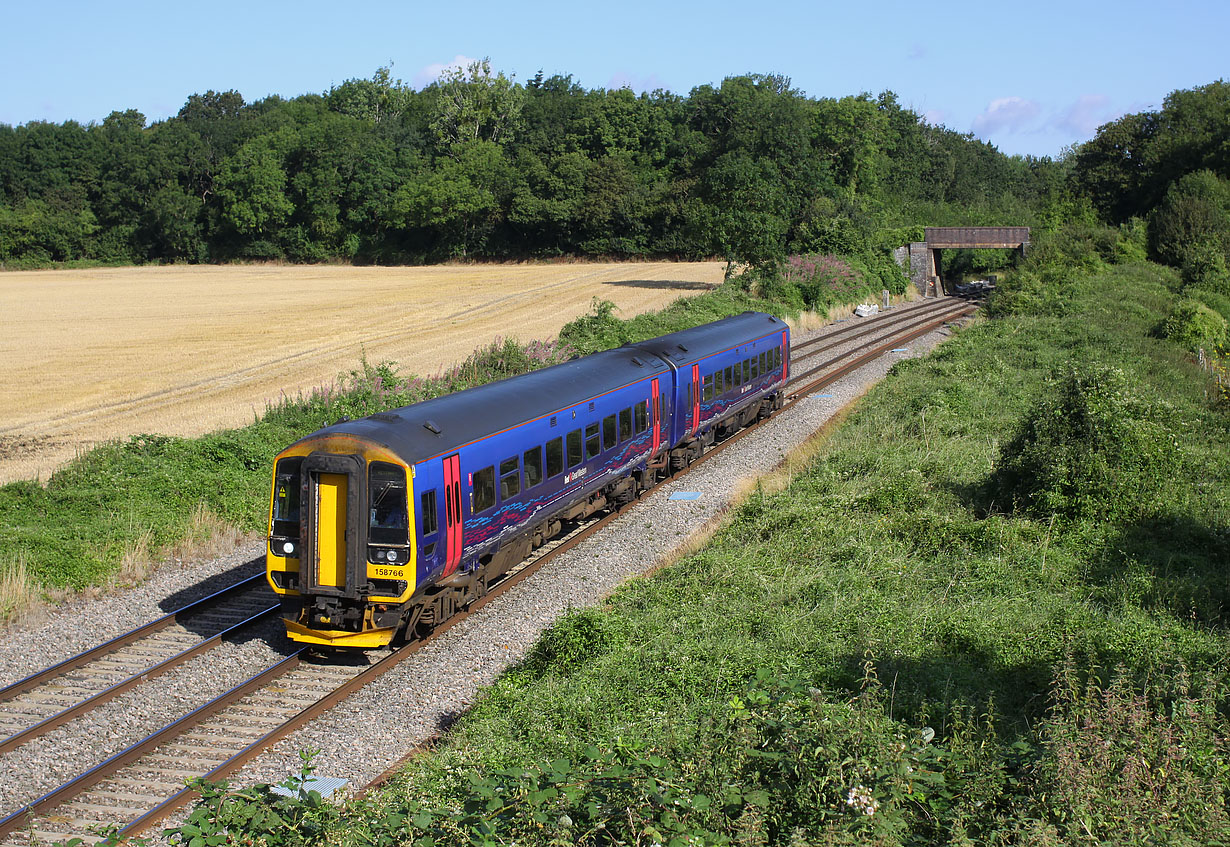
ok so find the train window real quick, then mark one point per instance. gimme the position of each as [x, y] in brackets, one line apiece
[729, 380]
[755, 369]
[608, 432]
[642, 417]
[747, 370]
[555, 457]
[777, 357]
[427, 513]
[482, 492]
[625, 424]
[286, 497]
[707, 395]
[510, 478]
[763, 364]
[719, 384]
[574, 448]
[389, 521]
[533, 466]
[738, 374]
[592, 446]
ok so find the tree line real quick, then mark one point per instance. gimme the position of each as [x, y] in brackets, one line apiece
[478, 165]
[1170, 169]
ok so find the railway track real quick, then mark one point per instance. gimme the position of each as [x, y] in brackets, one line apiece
[144, 784]
[50, 698]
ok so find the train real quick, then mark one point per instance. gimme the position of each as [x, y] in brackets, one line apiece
[384, 526]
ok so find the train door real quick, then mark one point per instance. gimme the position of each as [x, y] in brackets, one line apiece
[452, 514]
[696, 397]
[655, 410]
[785, 355]
[335, 495]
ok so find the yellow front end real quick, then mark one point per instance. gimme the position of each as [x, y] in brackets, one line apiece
[346, 598]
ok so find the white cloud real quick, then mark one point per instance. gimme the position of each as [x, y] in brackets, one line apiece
[431, 73]
[1010, 114]
[1083, 117]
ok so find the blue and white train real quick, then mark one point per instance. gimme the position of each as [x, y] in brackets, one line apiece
[389, 524]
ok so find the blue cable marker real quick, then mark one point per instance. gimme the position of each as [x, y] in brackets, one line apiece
[899, 350]
[685, 495]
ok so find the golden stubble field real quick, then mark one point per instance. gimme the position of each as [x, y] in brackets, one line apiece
[92, 355]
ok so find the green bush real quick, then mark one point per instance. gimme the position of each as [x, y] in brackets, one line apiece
[1195, 326]
[1194, 216]
[1093, 447]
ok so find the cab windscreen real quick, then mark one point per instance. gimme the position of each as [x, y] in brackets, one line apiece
[286, 492]
[389, 521]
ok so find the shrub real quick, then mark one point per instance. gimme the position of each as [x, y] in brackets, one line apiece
[1091, 448]
[1194, 325]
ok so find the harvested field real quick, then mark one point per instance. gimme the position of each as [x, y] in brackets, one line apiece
[92, 355]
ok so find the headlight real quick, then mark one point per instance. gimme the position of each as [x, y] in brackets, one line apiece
[289, 548]
[391, 555]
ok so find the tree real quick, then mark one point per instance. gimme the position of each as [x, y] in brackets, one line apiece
[380, 98]
[1192, 223]
[1113, 168]
[473, 104]
[252, 190]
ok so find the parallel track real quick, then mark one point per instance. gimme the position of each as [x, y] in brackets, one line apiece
[50, 698]
[144, 784]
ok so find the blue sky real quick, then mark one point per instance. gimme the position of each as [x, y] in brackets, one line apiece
[1029, 77]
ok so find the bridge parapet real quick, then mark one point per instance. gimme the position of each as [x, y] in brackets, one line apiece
[938, 237]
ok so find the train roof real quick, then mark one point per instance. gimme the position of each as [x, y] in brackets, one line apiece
[445, 424]
[692, 345]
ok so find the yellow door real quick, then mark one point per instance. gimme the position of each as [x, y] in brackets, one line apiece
[331, 529]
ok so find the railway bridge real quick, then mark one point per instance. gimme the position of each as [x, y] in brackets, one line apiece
[921, 259]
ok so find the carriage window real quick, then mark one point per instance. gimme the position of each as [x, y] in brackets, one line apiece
[608, 432]
[777, 358]
[625, 424]
[482, 492]
[592, 447]
[286, 497]
[729, 380]
[510, 478]
[708, 392]
[427, 513]
[533, 466]
[574, 448]
[389, 520]
[763, 364]
[738, 369]
[642, 417]
[747, 370]
[755, 370]
[555, 457]
[719, 384]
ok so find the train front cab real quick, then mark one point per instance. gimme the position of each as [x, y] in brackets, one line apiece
[341, 555]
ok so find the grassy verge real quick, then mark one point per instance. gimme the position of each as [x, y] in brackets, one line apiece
[991, 609]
